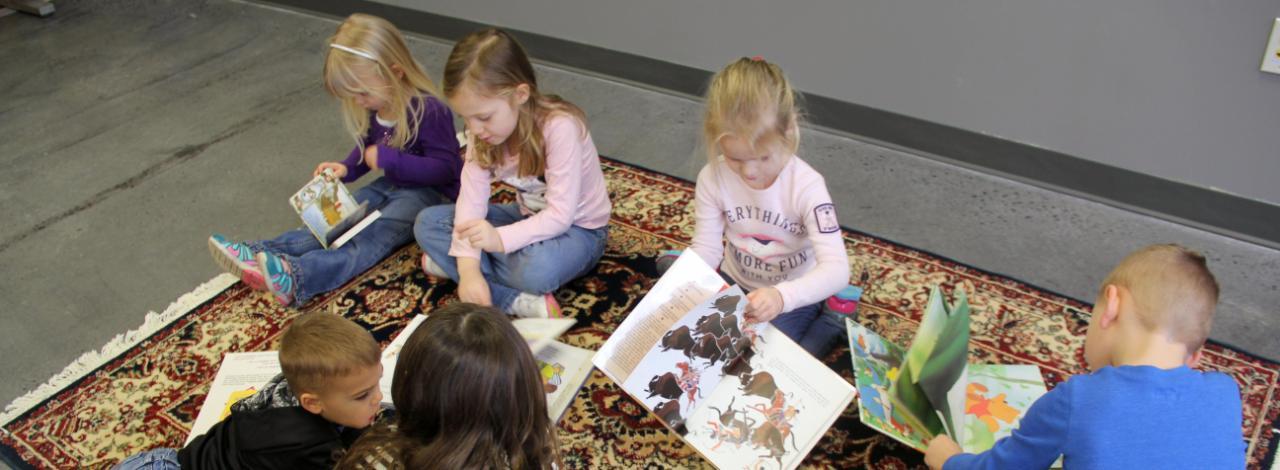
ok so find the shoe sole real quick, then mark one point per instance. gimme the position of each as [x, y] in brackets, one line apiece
[426, 263]
[229, 263]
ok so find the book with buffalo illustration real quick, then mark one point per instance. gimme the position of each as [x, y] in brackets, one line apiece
[743, 394]
[330, 212]
[930, 388]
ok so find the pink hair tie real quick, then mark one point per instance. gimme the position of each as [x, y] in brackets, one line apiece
[758, 58]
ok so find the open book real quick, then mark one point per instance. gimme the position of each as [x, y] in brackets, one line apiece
[329, 211]
[564, 367]
[930, 389]
[743, 395]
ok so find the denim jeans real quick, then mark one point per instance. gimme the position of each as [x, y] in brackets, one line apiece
[539, 268]
[155, 459]
[317, 270]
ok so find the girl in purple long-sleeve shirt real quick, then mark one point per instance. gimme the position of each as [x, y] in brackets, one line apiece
[401, 128]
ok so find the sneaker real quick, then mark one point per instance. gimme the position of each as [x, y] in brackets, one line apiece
[429, 266]
[279, 281]
[845, 302]
[536, 306]
[666, 259]
[238, 259]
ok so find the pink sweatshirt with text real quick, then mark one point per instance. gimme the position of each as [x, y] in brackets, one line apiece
[785, 236]
[570, 192]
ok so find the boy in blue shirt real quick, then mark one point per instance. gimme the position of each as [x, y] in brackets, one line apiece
[1142, 406]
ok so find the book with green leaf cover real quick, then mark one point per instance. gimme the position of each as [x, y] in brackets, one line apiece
[930, 388]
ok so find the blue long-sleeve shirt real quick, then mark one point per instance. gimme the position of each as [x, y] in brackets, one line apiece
[1126, 417]
[430, 159]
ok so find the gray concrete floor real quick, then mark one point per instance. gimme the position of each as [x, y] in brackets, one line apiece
[132, 129]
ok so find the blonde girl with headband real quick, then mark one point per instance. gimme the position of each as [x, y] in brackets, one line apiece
[513, 256]
[401, 129]
[764, 216]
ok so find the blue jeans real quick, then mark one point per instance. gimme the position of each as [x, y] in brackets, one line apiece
[316, 270]
[539, 268]
[155, 459]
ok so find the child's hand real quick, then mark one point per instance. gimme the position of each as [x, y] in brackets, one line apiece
[474, 289]
[371, 157]
[480, 234]
[940, 449]
[339, 170]
[763, 304]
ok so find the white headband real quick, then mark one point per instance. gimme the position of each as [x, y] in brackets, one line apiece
[354, 51]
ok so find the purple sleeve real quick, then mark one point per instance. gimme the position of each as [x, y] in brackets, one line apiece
[355, 165]
[432, 159]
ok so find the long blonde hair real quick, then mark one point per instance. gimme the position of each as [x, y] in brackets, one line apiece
[494, 64]
[364, 44]
[751, 99]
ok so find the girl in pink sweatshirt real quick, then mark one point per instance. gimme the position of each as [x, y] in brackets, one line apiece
[783, 240]
[513, 256]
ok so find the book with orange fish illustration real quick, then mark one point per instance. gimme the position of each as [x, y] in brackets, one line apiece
[929, 389]
[330, 212]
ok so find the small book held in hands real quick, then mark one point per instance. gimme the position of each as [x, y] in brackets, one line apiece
[742, 394]
[329, 211]
[930, 388]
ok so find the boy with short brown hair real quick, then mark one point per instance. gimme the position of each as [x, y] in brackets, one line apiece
[1142, 406]
[306, 417]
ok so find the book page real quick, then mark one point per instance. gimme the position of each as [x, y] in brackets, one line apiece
[686, 284]
[392, 352]
[564, 369]
[240, 375]
[325, 204]
[773, 412]
[997, 396]
[540, 332]
[355, 229]
[693, 356]
[876, 363]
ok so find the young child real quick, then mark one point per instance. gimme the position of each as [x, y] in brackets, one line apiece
[784, 243]
[1143, 406]
[513, 256]
[303, 418]
[401, 128]
[468, 395]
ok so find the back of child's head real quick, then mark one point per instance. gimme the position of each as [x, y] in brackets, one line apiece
[468, 394]
[752, 100]
[369, 55]
[319, 347]
[1172, 289]
[490, 62]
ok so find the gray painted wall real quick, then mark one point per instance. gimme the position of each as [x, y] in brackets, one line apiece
[1165, 87]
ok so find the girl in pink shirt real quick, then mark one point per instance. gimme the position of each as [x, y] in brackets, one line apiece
[513, 256]
[783, 240]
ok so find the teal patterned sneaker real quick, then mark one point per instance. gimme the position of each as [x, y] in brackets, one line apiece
[236, 258]
[279, 280]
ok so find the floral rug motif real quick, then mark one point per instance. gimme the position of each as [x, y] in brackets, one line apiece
[148, 395]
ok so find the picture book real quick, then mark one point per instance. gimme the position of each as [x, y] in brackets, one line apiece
[330, 212]
[743, 394]
[930, 388]
[242, 374]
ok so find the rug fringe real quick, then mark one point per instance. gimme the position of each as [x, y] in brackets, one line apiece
[91, 360]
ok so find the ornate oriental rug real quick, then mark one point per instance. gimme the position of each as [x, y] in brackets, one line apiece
[147, 394]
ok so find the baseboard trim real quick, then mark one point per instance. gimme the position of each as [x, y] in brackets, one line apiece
[1207, 209]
